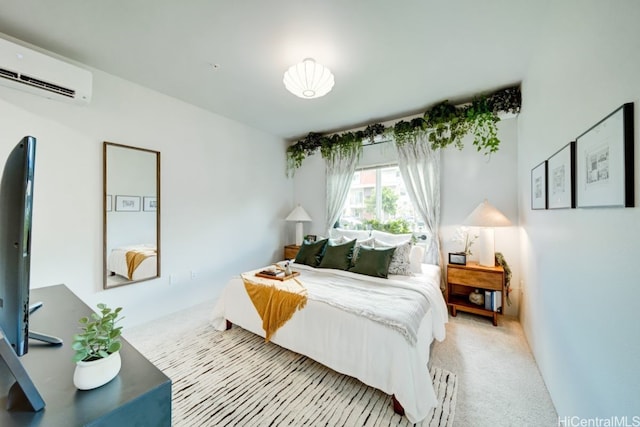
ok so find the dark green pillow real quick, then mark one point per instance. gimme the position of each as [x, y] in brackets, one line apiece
[311, 253]
[373, 262]
[338, 256]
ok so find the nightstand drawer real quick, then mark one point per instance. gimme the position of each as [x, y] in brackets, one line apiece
[477, 278]
[290, 251]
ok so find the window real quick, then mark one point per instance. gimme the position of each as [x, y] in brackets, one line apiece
[378, 199]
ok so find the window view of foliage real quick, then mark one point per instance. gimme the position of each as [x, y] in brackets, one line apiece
[395, 226]
[389, 201]
[378, 200]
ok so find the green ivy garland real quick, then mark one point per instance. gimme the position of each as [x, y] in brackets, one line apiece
[444, 124]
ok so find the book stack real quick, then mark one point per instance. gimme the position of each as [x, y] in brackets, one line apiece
[273, 273]
[493, 300]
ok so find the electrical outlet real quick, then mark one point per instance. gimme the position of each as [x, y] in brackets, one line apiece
[194, 275]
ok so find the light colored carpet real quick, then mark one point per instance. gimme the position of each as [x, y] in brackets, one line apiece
[235, 378]
[498, 380]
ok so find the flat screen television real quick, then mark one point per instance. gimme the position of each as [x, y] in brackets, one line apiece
[16, 207]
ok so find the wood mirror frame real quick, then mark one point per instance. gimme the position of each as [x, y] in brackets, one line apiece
[131, 214]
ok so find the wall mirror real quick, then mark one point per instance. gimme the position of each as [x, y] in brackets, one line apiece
[131, 197]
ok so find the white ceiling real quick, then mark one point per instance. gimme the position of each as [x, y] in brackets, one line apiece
[390, 58]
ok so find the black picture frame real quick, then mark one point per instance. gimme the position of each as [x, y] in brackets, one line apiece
[311, 238]
[458, 258]
[539, 193]
[605, 161]
[561, 178]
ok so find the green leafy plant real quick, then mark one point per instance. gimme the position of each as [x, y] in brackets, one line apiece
[395, 226]
[389, 202]
[100, 337]
[501, 261]
[404, 131]
[444, 124]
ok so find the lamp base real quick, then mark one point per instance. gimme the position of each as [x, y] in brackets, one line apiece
[486, 254]
[298, 233]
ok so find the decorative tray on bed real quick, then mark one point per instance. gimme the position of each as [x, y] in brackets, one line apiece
[265, 275]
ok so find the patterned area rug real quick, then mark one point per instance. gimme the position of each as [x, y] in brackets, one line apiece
[235, 378]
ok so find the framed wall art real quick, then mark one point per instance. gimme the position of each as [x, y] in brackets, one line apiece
[128, 203]
[539, 186]
[149, 204]
[561, 178]
[605, 162]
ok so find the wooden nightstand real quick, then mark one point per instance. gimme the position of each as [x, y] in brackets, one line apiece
[290, 251]
[464, 279]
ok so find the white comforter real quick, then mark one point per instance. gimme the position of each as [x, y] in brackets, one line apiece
[360, 344]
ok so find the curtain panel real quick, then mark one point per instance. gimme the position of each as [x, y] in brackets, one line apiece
[340, 168]
[419, 166]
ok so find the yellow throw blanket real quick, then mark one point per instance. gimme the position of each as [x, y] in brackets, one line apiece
[135, 257]
[276, 301]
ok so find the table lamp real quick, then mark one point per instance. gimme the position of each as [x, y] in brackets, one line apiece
[298, 215]
[486, 216]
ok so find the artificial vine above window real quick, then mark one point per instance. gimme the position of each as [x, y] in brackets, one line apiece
[444, 124]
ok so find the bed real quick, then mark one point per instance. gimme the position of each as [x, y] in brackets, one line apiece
[145, 262]
[353, 341]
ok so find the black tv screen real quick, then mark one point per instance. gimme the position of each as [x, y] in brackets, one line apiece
[16, 202]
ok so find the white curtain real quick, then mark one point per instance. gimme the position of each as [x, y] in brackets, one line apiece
[340, 169]
[419, 165]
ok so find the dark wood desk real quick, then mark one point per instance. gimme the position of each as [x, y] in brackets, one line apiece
[139, 395]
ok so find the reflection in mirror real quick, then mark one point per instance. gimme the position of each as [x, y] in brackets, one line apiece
[131, 214]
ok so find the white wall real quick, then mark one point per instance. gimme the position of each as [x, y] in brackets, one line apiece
[467, 179]
[223, 184]
[580, 309]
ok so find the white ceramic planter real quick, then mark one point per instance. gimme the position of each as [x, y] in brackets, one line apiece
[89, 375]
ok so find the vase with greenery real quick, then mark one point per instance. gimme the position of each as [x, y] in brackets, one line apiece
[97, 348]
[462, 235]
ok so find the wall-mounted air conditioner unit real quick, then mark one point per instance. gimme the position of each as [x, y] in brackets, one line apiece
[31, 71]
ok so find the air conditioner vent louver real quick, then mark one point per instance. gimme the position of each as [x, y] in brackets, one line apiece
[8, 74]
[28, 70]
[48, 86]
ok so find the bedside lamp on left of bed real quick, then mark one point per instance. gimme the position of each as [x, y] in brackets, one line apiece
[299, 215]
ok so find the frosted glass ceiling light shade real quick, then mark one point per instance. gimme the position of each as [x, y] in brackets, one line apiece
[486, 216]
[298, 215]
[308, 79]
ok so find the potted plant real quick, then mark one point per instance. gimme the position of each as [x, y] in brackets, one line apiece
[463, 236]
[97, 349]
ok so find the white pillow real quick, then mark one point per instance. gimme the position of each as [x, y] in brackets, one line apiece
[393, 239]
[415, 258]
[341, 240]
[400, 260]
[335, 233]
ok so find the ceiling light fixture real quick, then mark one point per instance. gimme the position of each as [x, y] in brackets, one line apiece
[308, 79]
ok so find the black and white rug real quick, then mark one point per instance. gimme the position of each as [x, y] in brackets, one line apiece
[235, 378]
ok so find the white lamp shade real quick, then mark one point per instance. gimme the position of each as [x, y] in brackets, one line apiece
[298, 214]
[486, 216]
[308, 79]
